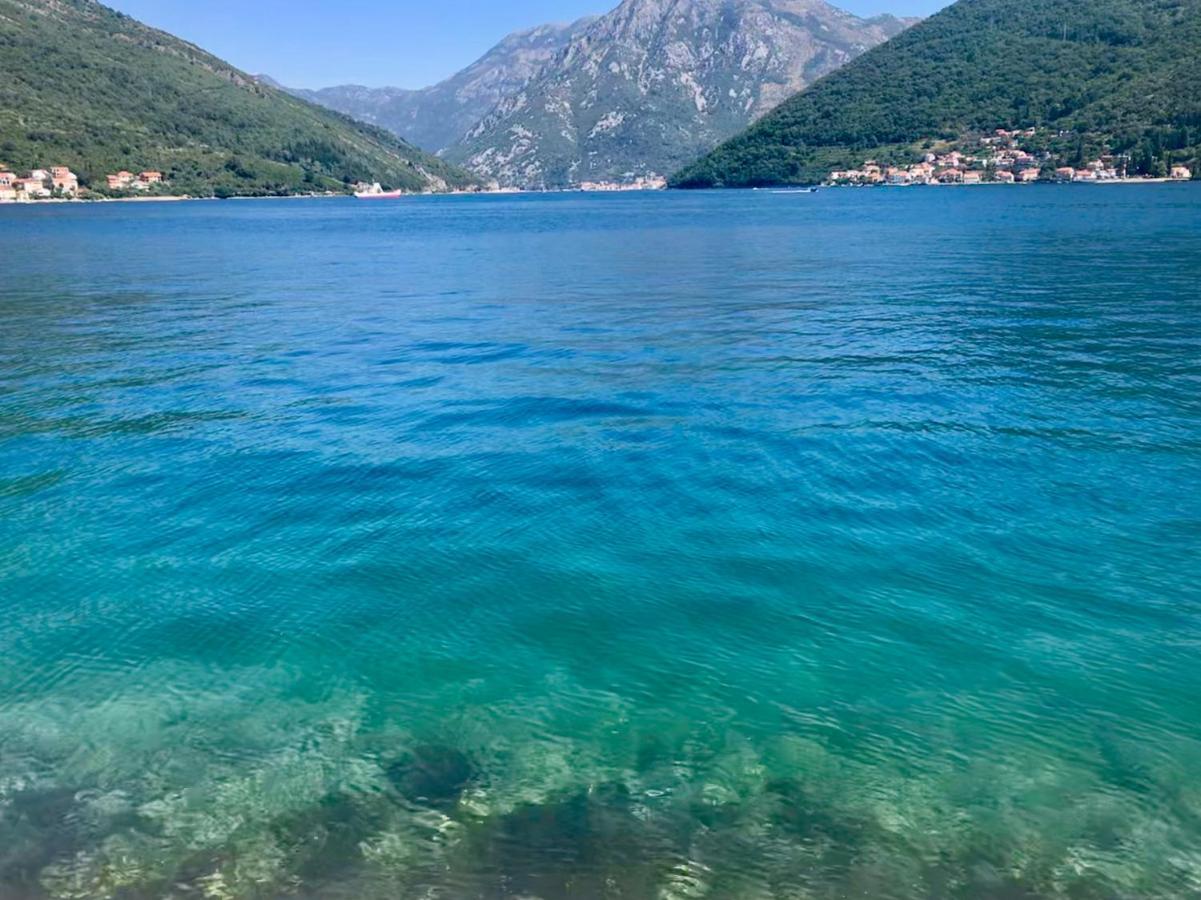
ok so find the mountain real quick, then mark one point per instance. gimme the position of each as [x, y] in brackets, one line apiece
[655, 83]
[1106, 75]
[93, 89]
[435, 117]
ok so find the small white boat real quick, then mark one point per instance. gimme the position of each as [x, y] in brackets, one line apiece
[378, 195]
[808, 190]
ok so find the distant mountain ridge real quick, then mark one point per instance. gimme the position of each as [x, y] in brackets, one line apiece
[435, 117]
[655, 83]
[1115, 76]
[93, 89]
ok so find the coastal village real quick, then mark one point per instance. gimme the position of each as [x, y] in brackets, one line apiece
[127, 181]
[60, 183]
[641, 183]
[999, 158]
[38, 184]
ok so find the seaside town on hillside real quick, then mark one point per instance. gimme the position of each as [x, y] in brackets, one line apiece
[998, 159]
[60, 183]
[39, 184]
[127, 181]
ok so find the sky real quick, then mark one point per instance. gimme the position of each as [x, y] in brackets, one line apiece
[400, 43]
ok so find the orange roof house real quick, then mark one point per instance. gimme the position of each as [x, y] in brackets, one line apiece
[150, 177]
[64, 179]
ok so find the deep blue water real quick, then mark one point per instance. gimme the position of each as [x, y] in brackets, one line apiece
[734, 545]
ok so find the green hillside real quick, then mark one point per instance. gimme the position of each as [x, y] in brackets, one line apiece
[1121, 75]
[88, 87]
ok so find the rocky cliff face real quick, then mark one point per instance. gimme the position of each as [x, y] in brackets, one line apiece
[437, 116]
[652, 85]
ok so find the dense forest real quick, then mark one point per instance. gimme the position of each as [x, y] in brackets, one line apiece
[1119, 75]
[90, 88]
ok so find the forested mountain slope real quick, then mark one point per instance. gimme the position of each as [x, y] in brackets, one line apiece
[1122, 76]
[96, 90]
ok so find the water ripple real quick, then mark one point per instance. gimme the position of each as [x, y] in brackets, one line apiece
[682, 546]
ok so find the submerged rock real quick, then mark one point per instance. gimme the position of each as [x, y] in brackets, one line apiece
[37, 827]
[323, 840]
[588, 844]
[801, 815]
[43, 807]
[433, 775]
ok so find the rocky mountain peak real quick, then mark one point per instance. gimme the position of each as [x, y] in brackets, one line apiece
[434, 117]
[654, 83]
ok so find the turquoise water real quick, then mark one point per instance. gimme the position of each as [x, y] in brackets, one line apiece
[679, 546]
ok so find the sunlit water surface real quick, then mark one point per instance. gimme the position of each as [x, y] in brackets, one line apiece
[736, 545]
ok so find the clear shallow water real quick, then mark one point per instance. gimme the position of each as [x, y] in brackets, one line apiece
[710, 545]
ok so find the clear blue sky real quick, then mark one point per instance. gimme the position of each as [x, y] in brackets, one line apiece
[406, 43]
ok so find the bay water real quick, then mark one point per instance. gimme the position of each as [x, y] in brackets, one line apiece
[725, 545]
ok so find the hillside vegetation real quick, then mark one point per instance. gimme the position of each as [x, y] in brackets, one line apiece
[91, 88]
[1121, 75]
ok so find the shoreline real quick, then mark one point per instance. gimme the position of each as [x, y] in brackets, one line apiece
[163, 198]
[181, 198]
[960, 184]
